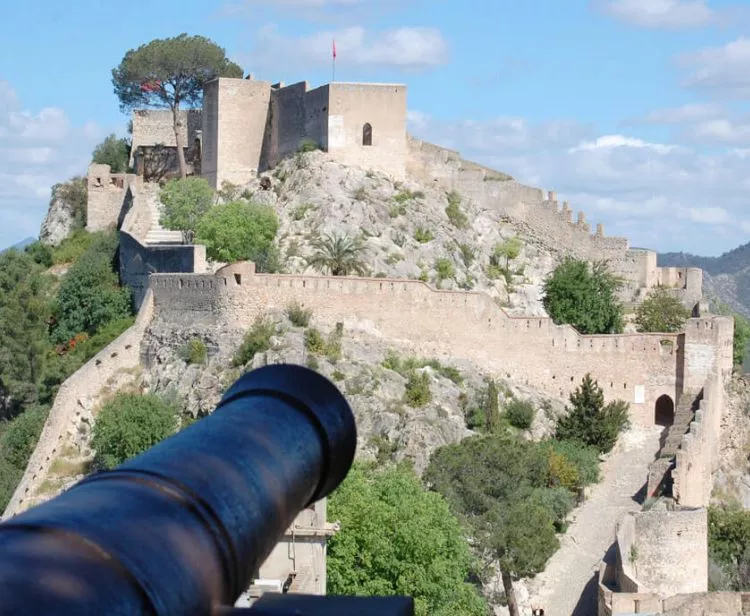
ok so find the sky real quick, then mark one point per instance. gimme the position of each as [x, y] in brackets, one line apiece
[635, 111]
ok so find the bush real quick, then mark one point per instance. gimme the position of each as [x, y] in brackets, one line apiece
[314, 341]
[453, 211]
[584, 457]
[113, 152]
[10, 477]
[661, 311]
[728, 541]
[423, 235]
[256, 340]
[584, 296]
[418, 393]
[73, 247]
[445, 269]
[238, 231]
[41, 254]
[308, 145]
[520, 413]
[128, 425]
[298, 315]
[186, 201]
[21, 435]
[590, 421]
[194, 351]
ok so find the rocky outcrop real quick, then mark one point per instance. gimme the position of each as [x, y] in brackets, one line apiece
[66, 212]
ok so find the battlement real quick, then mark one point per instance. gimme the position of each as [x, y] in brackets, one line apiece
[638, 368]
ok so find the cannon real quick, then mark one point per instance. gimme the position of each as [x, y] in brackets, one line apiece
[181, 528]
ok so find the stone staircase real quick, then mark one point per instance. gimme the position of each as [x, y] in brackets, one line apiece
[683, 417]
[158, 234]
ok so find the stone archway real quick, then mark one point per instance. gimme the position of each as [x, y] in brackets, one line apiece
[664, 411]
[367, 134]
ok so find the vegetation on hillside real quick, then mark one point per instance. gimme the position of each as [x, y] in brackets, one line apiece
[661, 311]
[185, 202]
[583, 295]
[170, 73]
[741, 332]
[113, 151]
[729, 549]
[396, 538]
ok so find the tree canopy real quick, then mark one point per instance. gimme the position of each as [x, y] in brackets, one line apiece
[239, 231]
[185, 202]
[583, 296]
[170, 73]
[113, 152]
[397, 538]
[661, 311]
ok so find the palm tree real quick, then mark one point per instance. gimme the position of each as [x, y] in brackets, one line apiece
[338, 254]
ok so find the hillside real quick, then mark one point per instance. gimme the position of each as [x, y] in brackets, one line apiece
[726, 277]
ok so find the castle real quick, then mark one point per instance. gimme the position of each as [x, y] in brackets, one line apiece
[244, 128]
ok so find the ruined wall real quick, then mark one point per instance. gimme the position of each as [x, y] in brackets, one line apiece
[121, 355]
[234, 129]
[109, 197]
[383, 106]
[153, 127]
[637, 368]
[665, 538]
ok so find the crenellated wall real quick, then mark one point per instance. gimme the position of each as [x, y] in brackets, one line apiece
[109, 197]
[637, 368]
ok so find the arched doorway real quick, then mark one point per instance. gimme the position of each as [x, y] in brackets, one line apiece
[664, 411]
[367, 134]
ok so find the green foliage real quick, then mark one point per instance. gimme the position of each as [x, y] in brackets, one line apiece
[423, 235]
[444, 268]
[418, 393]
[128, 425]
[409, 364]
[298, 315]
[194, 351]
[728, 547]
[661, 311]
[20, 437]
[590, 421]
[406, 195]
[301, 211]
[468, 254]
[74, 194]
[338, 254]
[10, 477]
[170, 73]
[584, 457]
[228, 191]
[40, 253]
[73, 247]
[308, 145]
[331, 348]
[508, 250]
[457, 218]
[491, 407]
[398, 539]
[113, 152]
[185, 202]
[257, 340]
[520, 413]
[90, 295]
[239, 231]
[584, 297]
[314, 341]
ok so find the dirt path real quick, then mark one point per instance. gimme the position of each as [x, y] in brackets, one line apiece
[566, 587]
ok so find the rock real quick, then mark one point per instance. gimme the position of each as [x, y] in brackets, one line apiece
[60, 221]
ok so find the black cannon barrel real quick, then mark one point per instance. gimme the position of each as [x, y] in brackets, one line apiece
[182, 528]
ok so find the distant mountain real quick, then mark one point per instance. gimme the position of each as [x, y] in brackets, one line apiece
[726, 277]
[21, 245]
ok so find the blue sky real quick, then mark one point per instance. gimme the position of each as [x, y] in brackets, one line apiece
[636, 111]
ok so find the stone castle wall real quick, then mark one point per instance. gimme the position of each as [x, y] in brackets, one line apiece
[109, 197]
[637, 368]
[74, 394]
[154, 127]
[545, 218]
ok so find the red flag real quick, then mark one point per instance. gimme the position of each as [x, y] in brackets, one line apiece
[334, 49]
[151, 86]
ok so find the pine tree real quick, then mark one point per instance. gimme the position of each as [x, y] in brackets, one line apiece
[492, 407]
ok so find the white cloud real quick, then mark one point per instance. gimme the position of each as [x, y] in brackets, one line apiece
[658, 195]
[667, 14]
[407, 48]
[691, 112]
[724, 71]
[37, 149]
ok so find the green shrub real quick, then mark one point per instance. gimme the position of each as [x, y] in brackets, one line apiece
[307, 145]
[409, 364]
[418, 393]
[444, 268]
[408, 195]
[186, 201]
[423, 235]
[194, 351]
[41, 254]
[520, 413]
[299, 316]
[314, 341]
[256, 340]
[338, 375]
[21, 435]
[128, 425]
[113, 152]
[71, 248]
[468, 254]
[584, 457]
[453, 211]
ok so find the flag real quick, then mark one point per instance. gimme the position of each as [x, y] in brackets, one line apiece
[334, 49]
[151, 86]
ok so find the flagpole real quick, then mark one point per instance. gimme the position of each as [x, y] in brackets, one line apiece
[333, 64]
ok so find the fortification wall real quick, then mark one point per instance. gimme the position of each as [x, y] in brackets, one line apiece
[153, 127]
[287, 120]
[234, 129]
[637, 368]
[383, 107]
[316, 115]
[83, 386]
[109, 197]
